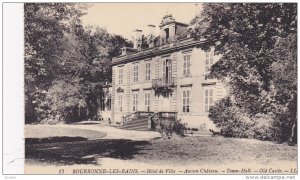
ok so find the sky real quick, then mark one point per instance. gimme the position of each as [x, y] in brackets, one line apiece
[123, 18]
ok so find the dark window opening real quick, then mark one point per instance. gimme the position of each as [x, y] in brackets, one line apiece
[108, 103]
[102, 103]
[167, 33]
[167, 71]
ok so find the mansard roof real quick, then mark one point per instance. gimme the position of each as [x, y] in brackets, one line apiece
[161, 50]
[168, 19]
[184, 38]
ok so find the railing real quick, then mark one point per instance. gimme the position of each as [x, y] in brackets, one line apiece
[158, 118]
[142, 114]
[163, 82]
[155, 120]
[135, 115]
[129, 117]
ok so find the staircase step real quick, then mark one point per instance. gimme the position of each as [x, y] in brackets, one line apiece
[139, 124]
[138, 128]
[134, 126]
[143, 129]
[138, 120]
[135, 123]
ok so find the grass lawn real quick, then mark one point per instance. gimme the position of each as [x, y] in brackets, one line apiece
[214, 150]
[67, 146]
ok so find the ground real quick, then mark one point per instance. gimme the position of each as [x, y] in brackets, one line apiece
[102, 146]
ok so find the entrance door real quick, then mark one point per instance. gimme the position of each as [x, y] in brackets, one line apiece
[164, 103]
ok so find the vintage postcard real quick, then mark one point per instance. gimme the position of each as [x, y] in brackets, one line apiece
[160, 88]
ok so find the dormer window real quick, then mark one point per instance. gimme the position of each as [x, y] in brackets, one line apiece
[188, 35]
[124, 51]
[167, 33]
[170, 29]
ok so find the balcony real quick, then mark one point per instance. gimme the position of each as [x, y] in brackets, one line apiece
[163, 83]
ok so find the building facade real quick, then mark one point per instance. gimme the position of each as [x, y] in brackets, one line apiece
[167, 76]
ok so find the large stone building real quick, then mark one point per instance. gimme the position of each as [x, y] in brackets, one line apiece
[168, 75]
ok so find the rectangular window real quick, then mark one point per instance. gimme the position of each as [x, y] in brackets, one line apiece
[208, 99]
[120, 103]
[186, 65]
[108, 103]
[186, 98]
[209, 60]
[167, 71]
[121, 76]
[102, 103]
[135, 73]
[147, 101]
[134, 101]
[148, 71]
[167, 33]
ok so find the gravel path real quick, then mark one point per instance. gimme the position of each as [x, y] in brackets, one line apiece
[111, 132]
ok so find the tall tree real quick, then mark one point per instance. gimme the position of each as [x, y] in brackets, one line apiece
[66, 65]
[250, 36]
[44, 27]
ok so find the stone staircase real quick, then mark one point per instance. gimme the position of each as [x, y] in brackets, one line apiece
[137, 121]
[140, 124]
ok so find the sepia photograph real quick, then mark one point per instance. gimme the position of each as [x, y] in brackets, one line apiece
[160, 88]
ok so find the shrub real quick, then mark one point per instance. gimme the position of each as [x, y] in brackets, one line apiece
[230, 119]
[52, 120]
[170, 127]
[233, 121]
[263, 127]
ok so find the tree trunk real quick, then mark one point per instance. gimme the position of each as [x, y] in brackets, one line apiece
[293, 135]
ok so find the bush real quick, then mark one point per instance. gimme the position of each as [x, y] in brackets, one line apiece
[170, 127]
[263, 127]
[231, 120]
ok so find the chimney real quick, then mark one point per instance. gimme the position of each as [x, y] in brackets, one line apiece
[128, 50]
[123, 50]
[151, 36]
[137, 39]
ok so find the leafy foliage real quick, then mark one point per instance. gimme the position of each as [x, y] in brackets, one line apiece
[258, 64]
[252, 25]
[170, 127]
[44, 27]
[227, 117]
[66, 65]
[234, 122]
